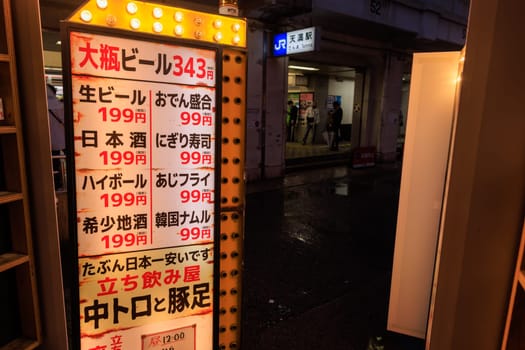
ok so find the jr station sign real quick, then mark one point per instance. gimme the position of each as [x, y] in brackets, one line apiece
[143, 86]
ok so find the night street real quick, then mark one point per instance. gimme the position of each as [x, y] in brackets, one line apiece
[262, 175]
[318, 260]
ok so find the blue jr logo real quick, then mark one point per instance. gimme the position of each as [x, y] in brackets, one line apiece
[279, 44]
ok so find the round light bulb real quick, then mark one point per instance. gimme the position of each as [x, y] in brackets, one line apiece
[132, 8]
[217, 37]
[157, 12]
[178, 30]
[236, 27]
[134, 23]
[102, 4]
[178, 16]
[236, 40]
[157, 27]
[217, 23]
[86, 16]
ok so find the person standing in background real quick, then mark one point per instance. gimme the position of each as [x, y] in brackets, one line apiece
[312, 119]
[293, 112]
[337, 118]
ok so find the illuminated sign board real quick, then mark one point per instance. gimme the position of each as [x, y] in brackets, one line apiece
[144, 99]
[297, 41]
[144, 141]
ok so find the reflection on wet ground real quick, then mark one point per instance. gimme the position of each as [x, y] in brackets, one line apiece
[318, 259]
[341, 189]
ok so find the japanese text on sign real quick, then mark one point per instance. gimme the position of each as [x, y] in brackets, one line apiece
[297, 41]
[144, 121]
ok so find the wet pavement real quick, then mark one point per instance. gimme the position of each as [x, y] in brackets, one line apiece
[318, 258]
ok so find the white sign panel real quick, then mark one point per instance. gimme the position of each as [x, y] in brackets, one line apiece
[431, 109]
[297, 41]
[144, 142]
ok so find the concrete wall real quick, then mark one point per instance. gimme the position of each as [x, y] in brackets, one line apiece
[275, 111]
[431, 19]
[266, 108]
[391, 108]
[255, 109]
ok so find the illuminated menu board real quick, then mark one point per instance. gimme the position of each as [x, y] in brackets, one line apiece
[144, 123]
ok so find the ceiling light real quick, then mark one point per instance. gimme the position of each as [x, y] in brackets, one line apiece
[303, 68]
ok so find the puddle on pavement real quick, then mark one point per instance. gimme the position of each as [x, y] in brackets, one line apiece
[301, 237]
[303, 233]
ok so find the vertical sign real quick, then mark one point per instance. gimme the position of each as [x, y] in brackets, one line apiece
[144, 123]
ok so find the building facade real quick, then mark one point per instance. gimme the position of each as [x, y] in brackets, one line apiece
[373, 39]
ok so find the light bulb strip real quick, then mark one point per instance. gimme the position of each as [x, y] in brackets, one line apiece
[139, 16]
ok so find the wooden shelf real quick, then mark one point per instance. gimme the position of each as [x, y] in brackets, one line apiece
[7, 130]
[8, 197]
[21, 344]
[20, 305]
[10, 260]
